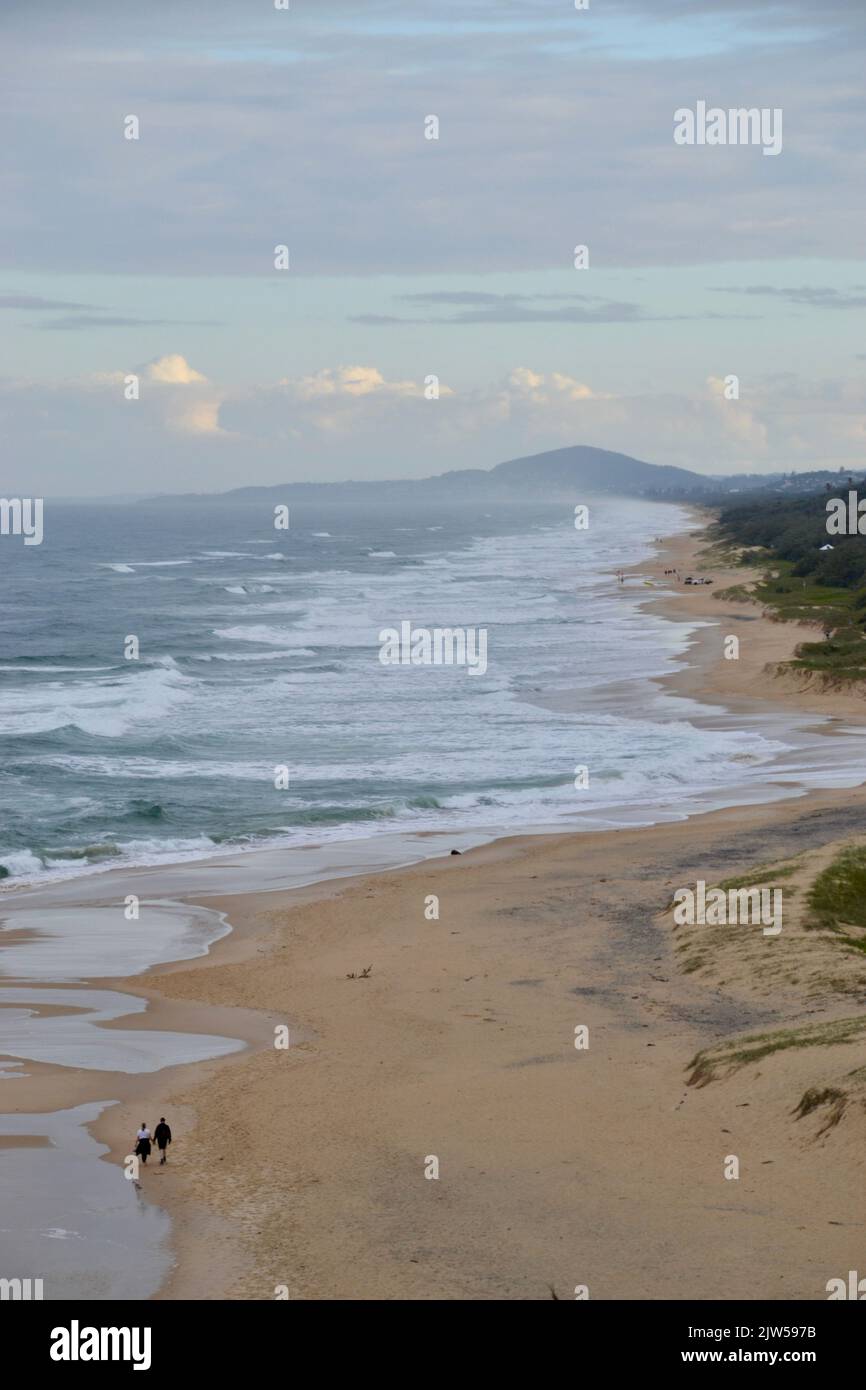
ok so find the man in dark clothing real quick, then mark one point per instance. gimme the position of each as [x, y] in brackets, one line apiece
[162, 1135]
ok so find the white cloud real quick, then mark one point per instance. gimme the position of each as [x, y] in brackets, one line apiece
[349, 381]
[198, 417]
[352, 422]
[173, 370]
[554, 388]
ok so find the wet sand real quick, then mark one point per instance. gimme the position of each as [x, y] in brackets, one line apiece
[72, 1221]
[305, 1168]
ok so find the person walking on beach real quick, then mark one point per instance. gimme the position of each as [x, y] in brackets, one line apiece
[162, 1135]
[142, 1147]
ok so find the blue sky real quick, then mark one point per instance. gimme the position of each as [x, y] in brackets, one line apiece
[412, 257]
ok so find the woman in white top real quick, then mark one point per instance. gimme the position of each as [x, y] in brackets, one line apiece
[142, 1147]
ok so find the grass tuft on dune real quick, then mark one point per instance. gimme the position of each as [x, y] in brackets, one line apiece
[728, 1057]
[837, 898]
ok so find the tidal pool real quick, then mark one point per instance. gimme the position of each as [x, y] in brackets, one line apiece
[71, 1220]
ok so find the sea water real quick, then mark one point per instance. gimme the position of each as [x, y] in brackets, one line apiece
[258, 649]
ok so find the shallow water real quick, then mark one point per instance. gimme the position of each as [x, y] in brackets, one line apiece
[77, 1040]
[65, 1216]
[252, 871]
[73, 1221]
[69, 943]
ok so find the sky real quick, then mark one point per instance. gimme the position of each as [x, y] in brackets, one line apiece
[431, 316]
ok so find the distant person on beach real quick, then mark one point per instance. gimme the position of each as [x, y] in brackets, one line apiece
[162, 1135]
[142, 1147]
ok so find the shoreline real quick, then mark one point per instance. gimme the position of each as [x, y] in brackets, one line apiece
[695, 605]
[302, 937]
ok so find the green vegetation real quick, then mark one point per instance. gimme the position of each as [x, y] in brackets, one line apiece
[800, 599]
[836, 657]
[814, 1098]
[836, 902]
[793, 531]
[803, 582]
[837, 898]
[728, 1057]
[736, 593]
[761, 874]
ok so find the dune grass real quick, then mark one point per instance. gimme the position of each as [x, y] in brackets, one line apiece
[815, 1098]
[728, 1057]
[762, 874]
[837, 898]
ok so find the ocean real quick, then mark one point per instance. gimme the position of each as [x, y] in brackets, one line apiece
[161, 664]
[258, 650]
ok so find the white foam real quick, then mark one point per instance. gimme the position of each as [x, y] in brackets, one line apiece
[249, 589]
[105, 708]
[255, 656]
[41, 670]
[277, 637]
[21, 863]
[140, 767]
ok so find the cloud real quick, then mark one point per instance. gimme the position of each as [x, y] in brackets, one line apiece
[509, 311]
[549, 390]
[259, 128]
[342, 422]
[233, 158]
[35, 301]
[172, 396]
[94, 317]
[461, 297]
[487, 308]
[184, 398]
[350, 381]
[814, 296]
[173, 370]
[75, 322]
[199, 417]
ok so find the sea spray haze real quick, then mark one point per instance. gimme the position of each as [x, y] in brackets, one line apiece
[157, 663]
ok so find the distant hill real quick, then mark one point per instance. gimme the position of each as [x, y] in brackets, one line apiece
[558, 474]
[598, 470]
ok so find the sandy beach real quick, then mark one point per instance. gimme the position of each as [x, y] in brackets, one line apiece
[433, 1130]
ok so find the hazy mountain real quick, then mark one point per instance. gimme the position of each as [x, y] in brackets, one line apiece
[597, 470]
[558, 474]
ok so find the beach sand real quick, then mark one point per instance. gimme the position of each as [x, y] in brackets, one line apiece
[302, 1171]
